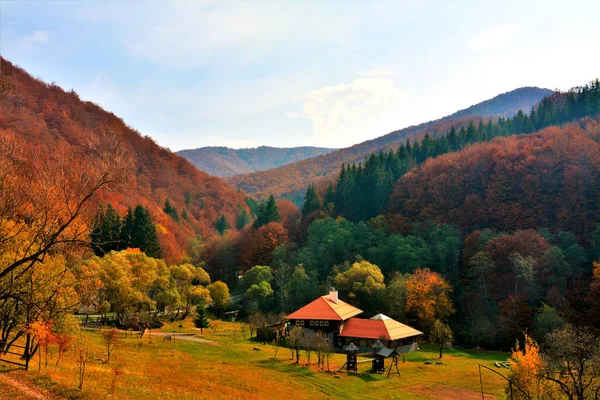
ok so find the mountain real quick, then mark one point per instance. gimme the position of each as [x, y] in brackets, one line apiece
[507, 104]
[223, 161]
[292, 179]
[46, 120]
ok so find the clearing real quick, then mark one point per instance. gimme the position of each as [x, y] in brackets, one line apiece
[243, 369]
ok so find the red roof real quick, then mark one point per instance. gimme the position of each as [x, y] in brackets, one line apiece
[380, 328]
[326, 309]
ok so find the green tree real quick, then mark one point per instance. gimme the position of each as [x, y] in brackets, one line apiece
[362, 282]
[546, 320]
[255, 275]
[106, 232]
[201, 321]
[170, 210]
[311, 201]
[439, 334]
[242, 220]
[222, 224]
[143, 233]
[267, 212]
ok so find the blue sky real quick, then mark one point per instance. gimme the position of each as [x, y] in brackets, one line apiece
[243, 74]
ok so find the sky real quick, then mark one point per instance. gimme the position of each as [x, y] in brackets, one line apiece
[300, 73]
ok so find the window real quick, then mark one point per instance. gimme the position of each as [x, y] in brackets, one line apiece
[321, 323]
[312, 323]
[297, 322]
[326, 323]
[301, 323]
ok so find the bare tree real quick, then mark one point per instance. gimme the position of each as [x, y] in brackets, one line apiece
[572, 359]
[276, 345]
[110, 338]
[83, 356]
[46, 205]
[309, 344]
[295, 341]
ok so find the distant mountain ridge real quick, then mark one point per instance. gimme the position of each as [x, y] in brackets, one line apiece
[293, 179]
[506, 104]
[224, 161]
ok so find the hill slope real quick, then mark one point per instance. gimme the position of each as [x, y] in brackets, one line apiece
[223, 161]
[293, 179]
[547, 179]
[45, 117]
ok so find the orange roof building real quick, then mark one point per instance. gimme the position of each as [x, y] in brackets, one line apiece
[333, 318]
[327, 307]
[380, 327]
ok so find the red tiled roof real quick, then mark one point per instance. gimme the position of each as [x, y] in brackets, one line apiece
[381, 328]
[324, 308]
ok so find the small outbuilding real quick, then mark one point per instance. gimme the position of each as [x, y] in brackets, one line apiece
[366, 332]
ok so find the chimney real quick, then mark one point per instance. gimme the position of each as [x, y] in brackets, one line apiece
[333, 295]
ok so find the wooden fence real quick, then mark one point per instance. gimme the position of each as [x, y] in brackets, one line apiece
[21, 361]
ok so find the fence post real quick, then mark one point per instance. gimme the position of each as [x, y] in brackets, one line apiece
[481, 383]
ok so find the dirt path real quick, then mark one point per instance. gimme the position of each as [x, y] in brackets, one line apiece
[431, 390]
[13, 388]
[184, 336]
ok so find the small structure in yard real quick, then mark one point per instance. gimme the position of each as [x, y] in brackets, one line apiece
[351, 358]
[380, 328]
[232, 315]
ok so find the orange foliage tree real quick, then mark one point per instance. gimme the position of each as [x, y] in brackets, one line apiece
[527, 372]
[259, 246]
[428, 297]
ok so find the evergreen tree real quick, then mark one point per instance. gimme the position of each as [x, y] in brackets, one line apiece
[311, 201]
[127, 229]
[185, 215]
[267, 212]
[222, 224]
[242, 220]
[106, 232]
[171, 210]
[201, 321]
[144, 234]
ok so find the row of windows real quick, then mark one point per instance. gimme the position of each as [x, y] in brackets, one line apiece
[313, 323]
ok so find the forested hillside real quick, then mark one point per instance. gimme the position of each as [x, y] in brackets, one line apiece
[291, 180]
[46, 121]
[223, 161]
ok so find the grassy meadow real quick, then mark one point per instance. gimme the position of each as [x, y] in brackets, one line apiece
[233, 368]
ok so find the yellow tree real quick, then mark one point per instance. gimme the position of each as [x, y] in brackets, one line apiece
[527, 372]
[362, 282]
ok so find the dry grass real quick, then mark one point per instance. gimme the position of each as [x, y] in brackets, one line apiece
[187, 370]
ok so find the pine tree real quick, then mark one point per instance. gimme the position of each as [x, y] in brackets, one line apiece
[170, 210]
[222, 224]
[311, 201]
[127, 229]
[144, 234]
[106, 233]
[242, 220]
[201, 321]
[267, 212]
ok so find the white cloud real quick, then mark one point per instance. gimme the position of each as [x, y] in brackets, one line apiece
[494, 37]
[353, 112]
[37, 37]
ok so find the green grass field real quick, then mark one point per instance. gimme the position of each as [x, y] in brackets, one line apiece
[188, 370]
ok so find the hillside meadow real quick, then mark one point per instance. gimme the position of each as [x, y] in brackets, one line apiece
[231, 367]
